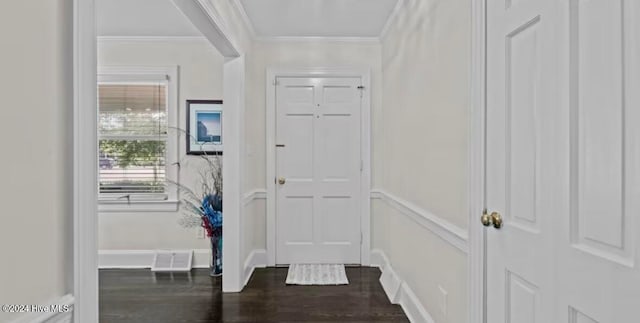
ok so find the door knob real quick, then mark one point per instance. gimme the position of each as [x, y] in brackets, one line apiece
[281, 180]
[494, 219]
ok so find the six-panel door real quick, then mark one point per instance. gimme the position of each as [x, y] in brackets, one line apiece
[563, 161]
[318, 170]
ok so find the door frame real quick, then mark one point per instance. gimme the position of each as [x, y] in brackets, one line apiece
[85, 149]
[365, 150]
[476, 256]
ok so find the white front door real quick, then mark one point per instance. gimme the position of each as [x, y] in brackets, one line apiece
[563, 161]
[318, 169]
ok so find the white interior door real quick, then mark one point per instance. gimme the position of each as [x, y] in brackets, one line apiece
[598, 242]
[521, 152]
[563, 161]
[318, 169]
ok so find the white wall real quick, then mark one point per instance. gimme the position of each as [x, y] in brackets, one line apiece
[292, 55]
[200, 77]
[36, 230]
[426, 104]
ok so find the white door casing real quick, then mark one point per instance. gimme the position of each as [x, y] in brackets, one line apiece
[563, 161]
[318, 158]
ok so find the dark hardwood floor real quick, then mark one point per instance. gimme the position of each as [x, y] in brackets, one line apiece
[141, 296]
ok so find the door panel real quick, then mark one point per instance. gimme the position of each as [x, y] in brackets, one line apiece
[598, 116]
[318, 214]
[335, 148]
[522, 300]
[600, 237]
[563, 161]
[520, 150]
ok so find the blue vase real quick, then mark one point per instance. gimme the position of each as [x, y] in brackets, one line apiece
[216, 255]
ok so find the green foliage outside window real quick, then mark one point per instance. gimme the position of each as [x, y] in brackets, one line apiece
[129, 153]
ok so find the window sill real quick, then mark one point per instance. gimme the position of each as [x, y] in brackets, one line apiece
[137, 206]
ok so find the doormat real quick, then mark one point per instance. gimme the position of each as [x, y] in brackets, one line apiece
[317, 274]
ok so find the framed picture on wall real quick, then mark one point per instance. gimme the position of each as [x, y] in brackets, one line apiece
[204, 127]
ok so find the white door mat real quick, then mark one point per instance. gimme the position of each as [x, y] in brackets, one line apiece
[317, 274]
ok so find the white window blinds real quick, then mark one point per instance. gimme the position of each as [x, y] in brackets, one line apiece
[132, 135]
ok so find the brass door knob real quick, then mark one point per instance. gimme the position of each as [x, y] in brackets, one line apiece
[281, 180]
[494, 219]
[485, 219]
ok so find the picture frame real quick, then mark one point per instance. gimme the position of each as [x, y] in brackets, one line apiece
[204, 127]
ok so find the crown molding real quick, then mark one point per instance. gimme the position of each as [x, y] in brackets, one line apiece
[392, 18]
[239, 7]
[150, 38]
[255, 37]
[318, 39]
[205, 17]
[237, 4]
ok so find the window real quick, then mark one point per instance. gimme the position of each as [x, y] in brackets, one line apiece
[136, 132]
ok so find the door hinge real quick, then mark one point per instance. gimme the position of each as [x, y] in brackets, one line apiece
[361, 165]
[275, 82]
[361, 238]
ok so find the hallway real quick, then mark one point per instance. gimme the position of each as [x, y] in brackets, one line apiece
[142, 296]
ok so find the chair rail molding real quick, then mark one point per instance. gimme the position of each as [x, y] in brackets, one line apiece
[257, 194]
[447, 231]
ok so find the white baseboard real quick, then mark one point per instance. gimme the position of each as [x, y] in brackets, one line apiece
[256, 259]
[398, 291]
[143, 259]
[379, 259]
[61, 313]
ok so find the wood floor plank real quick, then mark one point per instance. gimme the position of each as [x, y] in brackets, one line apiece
[142, 296]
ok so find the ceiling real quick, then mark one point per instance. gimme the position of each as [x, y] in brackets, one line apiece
[318, 18]
[268, 18]
[142, 18]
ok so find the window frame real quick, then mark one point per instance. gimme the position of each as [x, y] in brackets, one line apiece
[169, 200]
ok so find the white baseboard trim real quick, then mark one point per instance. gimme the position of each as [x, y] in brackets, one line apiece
[59, 311]
[398, 291]
[447, 231]
[143, 259]
[256, 259]
[412, 306]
